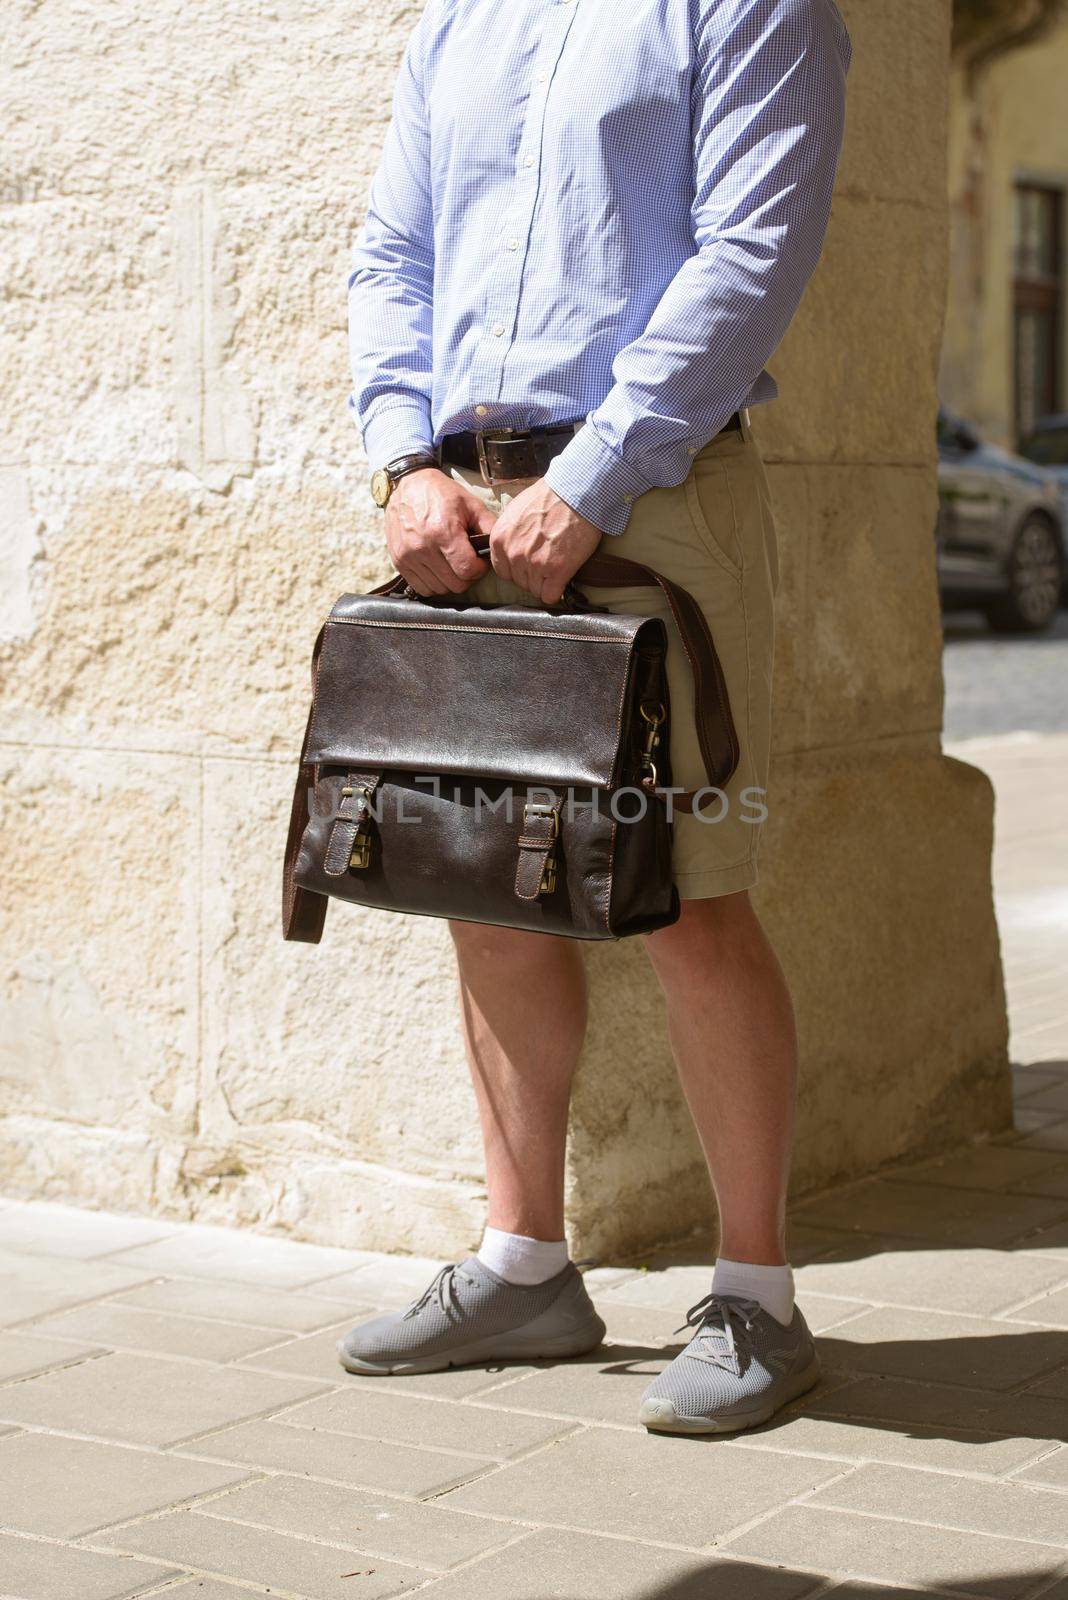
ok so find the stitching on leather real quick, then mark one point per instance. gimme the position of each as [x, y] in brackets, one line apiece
[611, 876]
[459, 627]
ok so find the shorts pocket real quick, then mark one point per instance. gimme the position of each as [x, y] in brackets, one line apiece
[711, 503]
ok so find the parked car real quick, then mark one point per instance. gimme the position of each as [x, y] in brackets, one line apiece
[1047, 446]
[1001, 531]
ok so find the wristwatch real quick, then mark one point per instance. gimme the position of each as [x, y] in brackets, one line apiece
[386, 478]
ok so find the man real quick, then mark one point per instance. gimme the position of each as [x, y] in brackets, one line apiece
[591, 226]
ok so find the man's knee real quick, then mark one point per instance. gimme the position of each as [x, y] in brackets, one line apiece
[707, 921]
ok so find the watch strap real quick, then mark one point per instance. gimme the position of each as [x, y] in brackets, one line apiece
[409, 463]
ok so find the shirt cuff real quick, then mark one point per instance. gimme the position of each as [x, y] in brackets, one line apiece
[595, 481]
[395, 428]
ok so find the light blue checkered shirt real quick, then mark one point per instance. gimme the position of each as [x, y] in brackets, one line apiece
[599, 209]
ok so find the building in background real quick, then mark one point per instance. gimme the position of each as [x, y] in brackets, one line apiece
[1005, 356]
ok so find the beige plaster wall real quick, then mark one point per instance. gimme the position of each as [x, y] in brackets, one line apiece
[183, 495]
[1008, 125]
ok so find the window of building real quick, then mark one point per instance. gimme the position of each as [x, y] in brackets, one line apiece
[1038, 286]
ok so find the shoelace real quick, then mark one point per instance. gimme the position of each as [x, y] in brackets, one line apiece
[443, 1290]
[715, 1319]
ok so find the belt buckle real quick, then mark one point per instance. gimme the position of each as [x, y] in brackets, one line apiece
[491, 434]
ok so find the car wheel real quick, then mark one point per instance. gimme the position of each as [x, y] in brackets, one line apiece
[1035, 575]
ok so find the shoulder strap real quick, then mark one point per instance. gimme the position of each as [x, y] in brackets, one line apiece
[303, 913]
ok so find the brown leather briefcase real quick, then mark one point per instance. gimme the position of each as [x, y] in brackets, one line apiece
[501, 764]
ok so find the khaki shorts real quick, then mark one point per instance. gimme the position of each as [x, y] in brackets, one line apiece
[713, 534]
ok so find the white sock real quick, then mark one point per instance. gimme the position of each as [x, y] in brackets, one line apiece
[772, 1286]
[517, 1259]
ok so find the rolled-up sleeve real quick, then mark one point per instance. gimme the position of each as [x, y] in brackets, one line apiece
[390, 286]
[768, 119]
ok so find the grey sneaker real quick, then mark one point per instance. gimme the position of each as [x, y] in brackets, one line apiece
[740, 1366]
[467, 1315]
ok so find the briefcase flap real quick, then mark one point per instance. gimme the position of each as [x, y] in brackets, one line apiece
[509, 692]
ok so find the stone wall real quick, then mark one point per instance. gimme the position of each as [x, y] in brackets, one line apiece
[183, 495]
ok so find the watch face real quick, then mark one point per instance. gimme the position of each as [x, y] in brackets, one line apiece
[381, 486]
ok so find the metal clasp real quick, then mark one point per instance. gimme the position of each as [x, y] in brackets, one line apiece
[653, 715]
[360, 854]
[540, 808]
[491, 434]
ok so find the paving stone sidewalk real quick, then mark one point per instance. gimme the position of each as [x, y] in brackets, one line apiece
[172, 1420]
[1030, 777]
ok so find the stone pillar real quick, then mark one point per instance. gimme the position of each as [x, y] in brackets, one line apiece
[183, 496]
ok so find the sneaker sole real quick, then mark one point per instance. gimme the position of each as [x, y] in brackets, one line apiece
[501, 1347]
[659, 1416]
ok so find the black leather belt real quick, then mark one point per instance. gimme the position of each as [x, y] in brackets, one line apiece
[501, 454]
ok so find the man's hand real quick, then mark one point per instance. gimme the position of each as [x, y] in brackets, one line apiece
[539, 542]
[429, 521]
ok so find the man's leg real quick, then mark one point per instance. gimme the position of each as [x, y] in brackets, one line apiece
[524, 1014]
[731, 1024]
[732, 1030]
[523, 1001]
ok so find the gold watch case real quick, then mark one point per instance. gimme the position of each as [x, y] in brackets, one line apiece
[381, 487]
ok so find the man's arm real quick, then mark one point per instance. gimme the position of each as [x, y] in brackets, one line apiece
[430, 517]
[391, 282]
[769, 112]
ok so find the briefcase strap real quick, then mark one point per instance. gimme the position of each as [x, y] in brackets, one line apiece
[303, 913]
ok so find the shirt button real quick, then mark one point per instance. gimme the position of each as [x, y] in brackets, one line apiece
[513, 244]
[481, 411]
[543, 77]
[498, 329]
[628, 498]
[691, 450]
[528, 161]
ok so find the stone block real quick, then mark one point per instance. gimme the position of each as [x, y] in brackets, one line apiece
[891, 153]
[676, 1492]
[100, 998]
[368, 1134]
[24, 1354]
[133, 1399]
[880, 1549]
[262, 1261]
[854, 541]
[1003, 1510]
[835, 405]
[971, 1282]
[553, 1563]
[35, 1287]
[241, 1303]
[41, 1571]
[980, 1352]
[58, 1230]
[476, 1429]
[256, 1556]
[63, 1488]
[157, 1333]
[1033, 1414]
[946, 1216]
[424, 1535]
[850, 1441]
[378, 1467]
